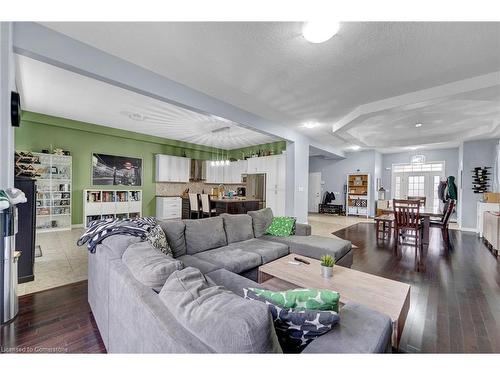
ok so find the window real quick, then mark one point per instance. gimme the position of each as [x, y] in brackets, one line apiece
[397, 188]
[435, 201]
[428, 167]
[416, 186]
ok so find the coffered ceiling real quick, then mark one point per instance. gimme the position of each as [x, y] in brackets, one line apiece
[269, 69]
[58, 92]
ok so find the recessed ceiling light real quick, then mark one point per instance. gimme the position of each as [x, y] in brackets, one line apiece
[136, 116]
[355, 147]
[310, 125]
[319, 31]
[418, 125]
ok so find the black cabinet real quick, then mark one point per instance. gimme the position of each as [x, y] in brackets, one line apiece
[25, 237]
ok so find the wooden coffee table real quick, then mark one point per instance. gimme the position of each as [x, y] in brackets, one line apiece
[377, 293]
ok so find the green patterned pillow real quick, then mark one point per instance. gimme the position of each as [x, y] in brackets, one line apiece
[310, 299]
[281, 226]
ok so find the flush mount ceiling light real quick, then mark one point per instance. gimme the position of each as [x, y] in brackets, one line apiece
[134, 115]
[418, 125]
[310, 125]
[355, 147]
[320, 31]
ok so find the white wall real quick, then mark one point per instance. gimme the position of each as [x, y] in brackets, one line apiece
[334, 172]
[480, 153]
[7, 84]
[450, 156]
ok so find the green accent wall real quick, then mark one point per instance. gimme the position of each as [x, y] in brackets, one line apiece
[38, 131]
[241, 153]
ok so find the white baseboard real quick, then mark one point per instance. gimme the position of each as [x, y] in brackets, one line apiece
[464, 229]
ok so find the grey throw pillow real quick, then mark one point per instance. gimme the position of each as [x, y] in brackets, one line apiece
[238, 227]
[219, 318]
[148, 265]
[174, 230]
[296, 328]
[261, 219]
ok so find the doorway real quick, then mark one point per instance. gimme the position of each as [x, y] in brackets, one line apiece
[418, 179]
[314, 191]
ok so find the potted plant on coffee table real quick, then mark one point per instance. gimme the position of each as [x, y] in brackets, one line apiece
[327, 263]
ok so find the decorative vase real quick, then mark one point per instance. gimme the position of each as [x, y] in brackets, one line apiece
[326, 271]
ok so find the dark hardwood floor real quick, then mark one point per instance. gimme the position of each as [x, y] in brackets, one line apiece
[58, 320]
[455, 303]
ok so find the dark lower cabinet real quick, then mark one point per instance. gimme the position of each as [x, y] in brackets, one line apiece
[25, 237]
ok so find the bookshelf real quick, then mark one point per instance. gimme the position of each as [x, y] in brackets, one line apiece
[106, 203]
[53, 196]
[358, 194]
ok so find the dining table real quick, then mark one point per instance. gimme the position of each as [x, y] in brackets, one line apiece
[425, 213]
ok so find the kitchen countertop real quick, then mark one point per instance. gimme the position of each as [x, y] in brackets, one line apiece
[233, 200]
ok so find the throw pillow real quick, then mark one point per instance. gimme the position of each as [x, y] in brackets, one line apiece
[157, 239]
[281, 226]
[311, 299]
[296, 328]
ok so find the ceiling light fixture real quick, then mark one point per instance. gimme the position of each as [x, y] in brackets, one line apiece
[320, 31]
[136, 116]
[310, 125]
[355, 147]
[418, 125]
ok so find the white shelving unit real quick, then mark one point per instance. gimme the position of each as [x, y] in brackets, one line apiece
[106, 203]
[53, 197]
[358, 201]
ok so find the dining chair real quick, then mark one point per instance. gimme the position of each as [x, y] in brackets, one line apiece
[407, 224]
[384, 226]
[444, 222]
[206, 206]
[194, 205]
[422, 200]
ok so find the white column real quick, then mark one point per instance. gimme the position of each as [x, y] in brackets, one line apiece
[7, 84]
[297, 179]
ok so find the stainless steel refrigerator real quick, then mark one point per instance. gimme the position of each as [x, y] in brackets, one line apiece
[256, 188]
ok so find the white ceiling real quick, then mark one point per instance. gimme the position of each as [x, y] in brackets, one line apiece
[445, 123]
[58, 92]
[267, 68]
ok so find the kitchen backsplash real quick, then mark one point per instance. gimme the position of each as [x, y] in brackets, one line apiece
[177, 188]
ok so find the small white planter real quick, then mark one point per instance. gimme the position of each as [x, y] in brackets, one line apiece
[326, 271]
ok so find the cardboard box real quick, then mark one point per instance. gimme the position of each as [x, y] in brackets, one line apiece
[492, 197]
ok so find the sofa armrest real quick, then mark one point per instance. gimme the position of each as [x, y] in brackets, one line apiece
[302, 229]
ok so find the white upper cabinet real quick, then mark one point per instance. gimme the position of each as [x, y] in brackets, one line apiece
[227, 174]
[172, 168]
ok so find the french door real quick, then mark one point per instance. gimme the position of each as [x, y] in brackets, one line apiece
[418, 180]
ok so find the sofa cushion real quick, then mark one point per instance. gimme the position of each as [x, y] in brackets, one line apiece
[219, 318]
[174, 230]
[268, 250]
[297, 328]
[204, 234]
[261, 220]
[231, 281]
[237, 227]
[234, 260]
[314, 246]
[361, 330]
[119, 243]
[149, 265]
[204, 266]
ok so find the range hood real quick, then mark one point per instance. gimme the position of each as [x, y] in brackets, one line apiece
[197, 171]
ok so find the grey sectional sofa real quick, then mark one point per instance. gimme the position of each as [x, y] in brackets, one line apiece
[135, 315]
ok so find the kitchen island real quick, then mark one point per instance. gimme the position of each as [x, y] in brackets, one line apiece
[235, 206]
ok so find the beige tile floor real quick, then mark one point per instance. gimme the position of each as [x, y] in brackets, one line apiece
[63, 262]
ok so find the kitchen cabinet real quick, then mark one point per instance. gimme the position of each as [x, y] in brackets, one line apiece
[482, 207]
[168, 208]
[172, 168]
[227, 174]
[274, 167]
